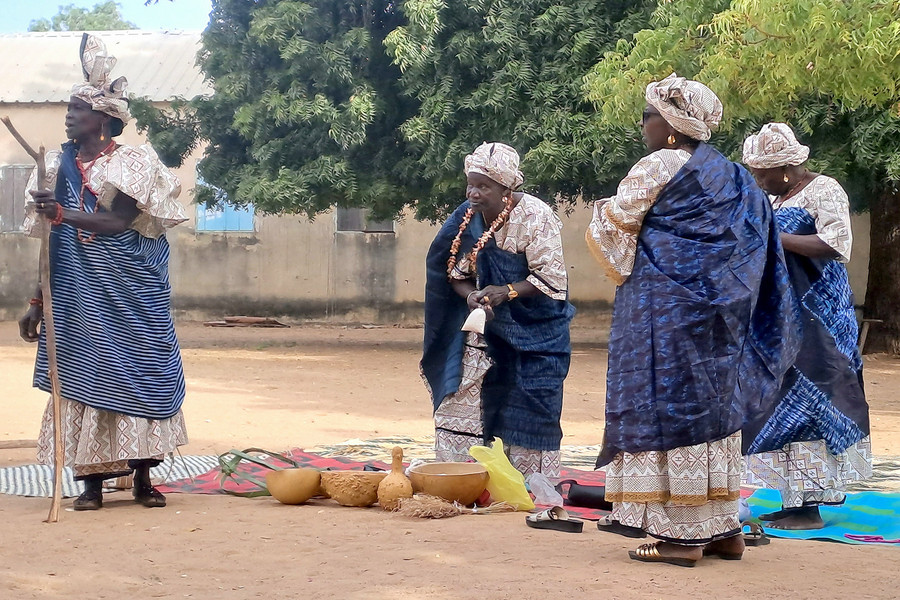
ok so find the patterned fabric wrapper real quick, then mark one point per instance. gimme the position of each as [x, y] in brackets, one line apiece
[687, 495]
[823, 396]
[103, 94]
[497, 161]
[689, 106]
[527, 341]
[99, 441]
[705, 327]
[116, 347]
[774, 146]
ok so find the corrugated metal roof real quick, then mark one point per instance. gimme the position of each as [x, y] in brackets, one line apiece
[43, 67]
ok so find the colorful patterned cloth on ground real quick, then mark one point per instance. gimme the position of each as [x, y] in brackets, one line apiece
[37, 480]
[865, 518]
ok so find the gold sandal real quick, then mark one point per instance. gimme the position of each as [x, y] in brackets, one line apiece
[650, 553]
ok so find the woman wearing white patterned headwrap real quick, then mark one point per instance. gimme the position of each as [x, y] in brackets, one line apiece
[816, 440]
[691, 242]
[119, 364]
[501, 250]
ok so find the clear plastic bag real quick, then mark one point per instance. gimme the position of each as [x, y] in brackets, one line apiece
[505, 483]
[542, 490]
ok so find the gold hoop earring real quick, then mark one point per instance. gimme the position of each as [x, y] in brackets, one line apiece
[786, 178]
[102, 138]
[671, 139]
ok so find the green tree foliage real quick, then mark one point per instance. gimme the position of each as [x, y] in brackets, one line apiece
[104, 16]
[175, 131]
[512, 71]
[829, 68]
[307, 109]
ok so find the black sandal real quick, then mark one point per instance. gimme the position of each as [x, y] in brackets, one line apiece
[89, 500]
[611, 526]
[756, 536]
[149, 497]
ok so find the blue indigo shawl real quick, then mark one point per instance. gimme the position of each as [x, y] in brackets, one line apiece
[116, 348]
[528, 342]
[703, 330]
[822, 397]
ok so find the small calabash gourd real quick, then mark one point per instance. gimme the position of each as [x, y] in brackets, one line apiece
[396, 485]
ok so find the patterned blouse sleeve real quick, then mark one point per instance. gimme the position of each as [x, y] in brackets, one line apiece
[51, 162]
[138, 173]
[616, 223]
[544, 253]
[832, 216]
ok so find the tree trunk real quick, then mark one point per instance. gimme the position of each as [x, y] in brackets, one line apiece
[883, 289]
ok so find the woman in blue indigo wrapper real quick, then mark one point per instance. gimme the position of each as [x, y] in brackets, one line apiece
[816, 440]
[701, 332]
[501, 250]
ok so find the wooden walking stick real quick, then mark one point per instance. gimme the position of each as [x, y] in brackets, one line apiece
[50, 332]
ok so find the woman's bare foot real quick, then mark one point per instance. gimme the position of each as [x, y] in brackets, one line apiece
[805, 517]
[731, 548]
[774, 516]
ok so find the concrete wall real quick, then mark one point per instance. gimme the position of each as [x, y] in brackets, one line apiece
[303, 269]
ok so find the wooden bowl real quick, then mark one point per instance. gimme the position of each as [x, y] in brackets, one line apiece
[352, 488]
[455, 482]
[293, 486]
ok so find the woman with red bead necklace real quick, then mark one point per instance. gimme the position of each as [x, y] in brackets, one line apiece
[501, 251]
[118, 360]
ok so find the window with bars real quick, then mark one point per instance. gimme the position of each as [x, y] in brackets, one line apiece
[13, 179]
[223, 217]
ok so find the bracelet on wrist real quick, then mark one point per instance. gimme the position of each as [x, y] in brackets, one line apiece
[58, 219]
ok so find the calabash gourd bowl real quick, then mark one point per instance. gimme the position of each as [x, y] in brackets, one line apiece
[454, 482]
[293, 486]
[352, 488]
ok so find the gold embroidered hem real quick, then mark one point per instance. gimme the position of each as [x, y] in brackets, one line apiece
[688, 476]
[609, 269]
[688, 495]
[682, 500]
[100, 441]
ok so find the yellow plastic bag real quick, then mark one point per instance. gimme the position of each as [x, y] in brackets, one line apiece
[505, 483]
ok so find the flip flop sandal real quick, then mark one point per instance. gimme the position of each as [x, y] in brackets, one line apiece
[554, 518]
[756, 536]
[149, 497]
[650, 553]
[89, 500]
[613, 526]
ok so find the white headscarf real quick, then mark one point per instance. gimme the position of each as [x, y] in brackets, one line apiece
[97, 90]
[774, 146]
[688, 106]
[497, 161]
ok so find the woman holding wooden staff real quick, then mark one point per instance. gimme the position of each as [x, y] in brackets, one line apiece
[118, 360]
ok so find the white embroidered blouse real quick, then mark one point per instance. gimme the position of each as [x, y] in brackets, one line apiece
[533, 229]
[616, 222]
[137, 172]
[826, 201]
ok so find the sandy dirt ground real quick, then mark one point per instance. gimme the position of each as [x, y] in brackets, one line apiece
[309, 386]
